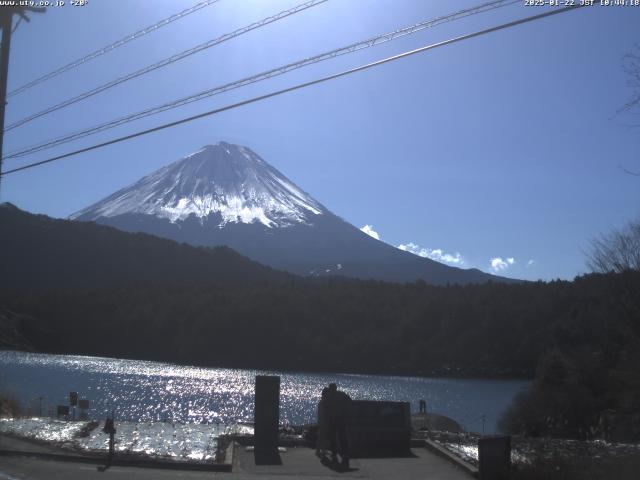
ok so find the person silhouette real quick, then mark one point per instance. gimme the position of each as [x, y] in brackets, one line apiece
[323, 437]
[336, 413]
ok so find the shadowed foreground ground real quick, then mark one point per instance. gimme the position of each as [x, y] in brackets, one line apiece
[296, 463]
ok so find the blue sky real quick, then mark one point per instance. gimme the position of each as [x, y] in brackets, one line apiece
[507, 146]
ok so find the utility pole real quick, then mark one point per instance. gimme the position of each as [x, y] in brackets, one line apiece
[6, 23]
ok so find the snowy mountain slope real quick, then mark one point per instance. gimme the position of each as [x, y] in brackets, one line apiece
[226, 179]
[226, 194]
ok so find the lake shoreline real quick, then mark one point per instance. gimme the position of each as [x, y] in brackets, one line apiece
[150, 391]
[442, 373]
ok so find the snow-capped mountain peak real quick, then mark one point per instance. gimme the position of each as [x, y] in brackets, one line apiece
[226, 194]
[224, 179]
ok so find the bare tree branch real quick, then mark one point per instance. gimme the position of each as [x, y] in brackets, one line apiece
[631, 66]
[617, 251]
[625, 170]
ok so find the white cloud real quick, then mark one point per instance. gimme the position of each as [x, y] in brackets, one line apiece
[368, 229]
[498, 264]
[530, 263]
[409, 247]
[433, 253]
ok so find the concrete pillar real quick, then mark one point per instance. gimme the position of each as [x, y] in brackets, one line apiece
[494, 457]
[267, 415]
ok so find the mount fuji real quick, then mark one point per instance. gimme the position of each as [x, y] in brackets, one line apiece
[226, 194]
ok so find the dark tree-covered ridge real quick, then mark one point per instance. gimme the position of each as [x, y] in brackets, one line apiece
[42, 252]
[339, 325]
[147, 298]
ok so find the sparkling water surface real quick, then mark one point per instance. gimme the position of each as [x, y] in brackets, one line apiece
[178, 441]
[145, 391]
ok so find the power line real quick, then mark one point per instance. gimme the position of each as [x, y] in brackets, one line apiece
[299, 86]
[354, 47]
[113, 46]
[167, 61]
[6, 22]
[13, 30]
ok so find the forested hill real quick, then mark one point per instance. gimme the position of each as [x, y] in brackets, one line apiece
[42, 252]
[99, 291]
[342, 325]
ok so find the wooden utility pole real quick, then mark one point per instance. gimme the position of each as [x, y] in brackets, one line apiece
[6, 23]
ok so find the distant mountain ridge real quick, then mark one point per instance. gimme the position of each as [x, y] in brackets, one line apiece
[226, 194]
[42, 252]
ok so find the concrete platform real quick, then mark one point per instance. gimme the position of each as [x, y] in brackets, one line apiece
[11, 443]
[20, 468]
[300, 462]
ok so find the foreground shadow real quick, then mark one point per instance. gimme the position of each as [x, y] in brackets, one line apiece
[335, 465]
[267, 458]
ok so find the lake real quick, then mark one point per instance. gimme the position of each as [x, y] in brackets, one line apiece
[144, 391]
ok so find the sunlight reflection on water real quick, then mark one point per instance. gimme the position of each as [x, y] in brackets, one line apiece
[145, 391]
[179, 441]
